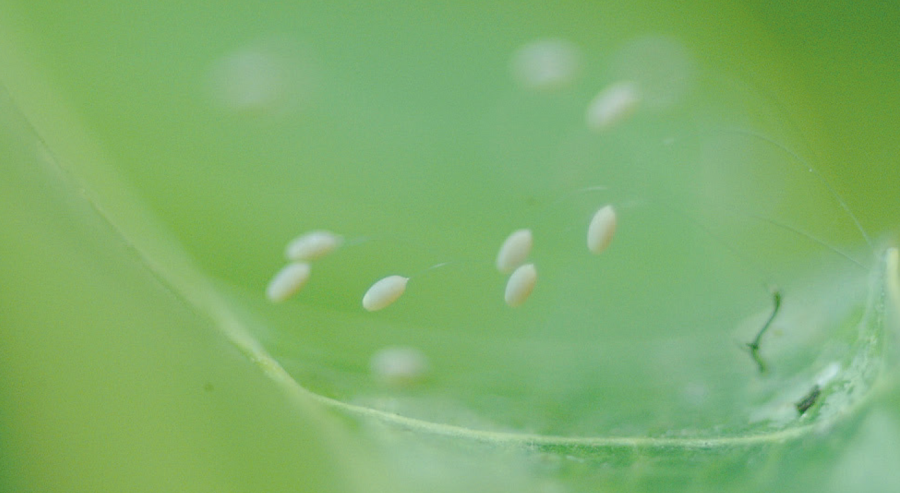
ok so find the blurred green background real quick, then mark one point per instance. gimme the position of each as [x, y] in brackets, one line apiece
[158, 156]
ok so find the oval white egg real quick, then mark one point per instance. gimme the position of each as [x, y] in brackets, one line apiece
[514, 251]
[520, 285]
[287, 282]
[601, 229]
[312, 245]
[384, 292]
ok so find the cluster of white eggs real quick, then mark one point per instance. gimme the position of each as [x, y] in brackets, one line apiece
[542, 66]
[552, 64]
[404, 366]
[299, 253]
[511, 259]
[513, 254]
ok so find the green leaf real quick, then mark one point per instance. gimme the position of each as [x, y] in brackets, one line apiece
[167, 156]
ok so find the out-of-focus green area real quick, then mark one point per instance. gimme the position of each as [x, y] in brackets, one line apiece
[846, 54]
[167, 151]
[111, 383]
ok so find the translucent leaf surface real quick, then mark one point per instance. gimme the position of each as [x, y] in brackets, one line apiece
[169, 154]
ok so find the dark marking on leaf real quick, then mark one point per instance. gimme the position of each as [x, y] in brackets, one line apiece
[754, 345]
[808, 400]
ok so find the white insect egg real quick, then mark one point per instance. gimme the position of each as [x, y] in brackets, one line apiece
[248, 80]
[384, 292]
[399, 366]
[612, 105]
[312, 245]
[601, 229]
[287, 281]
[514, 250]
[273, 75]
[520, 285]
[546, 64]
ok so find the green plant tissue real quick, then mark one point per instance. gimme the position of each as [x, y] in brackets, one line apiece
[731, 326]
